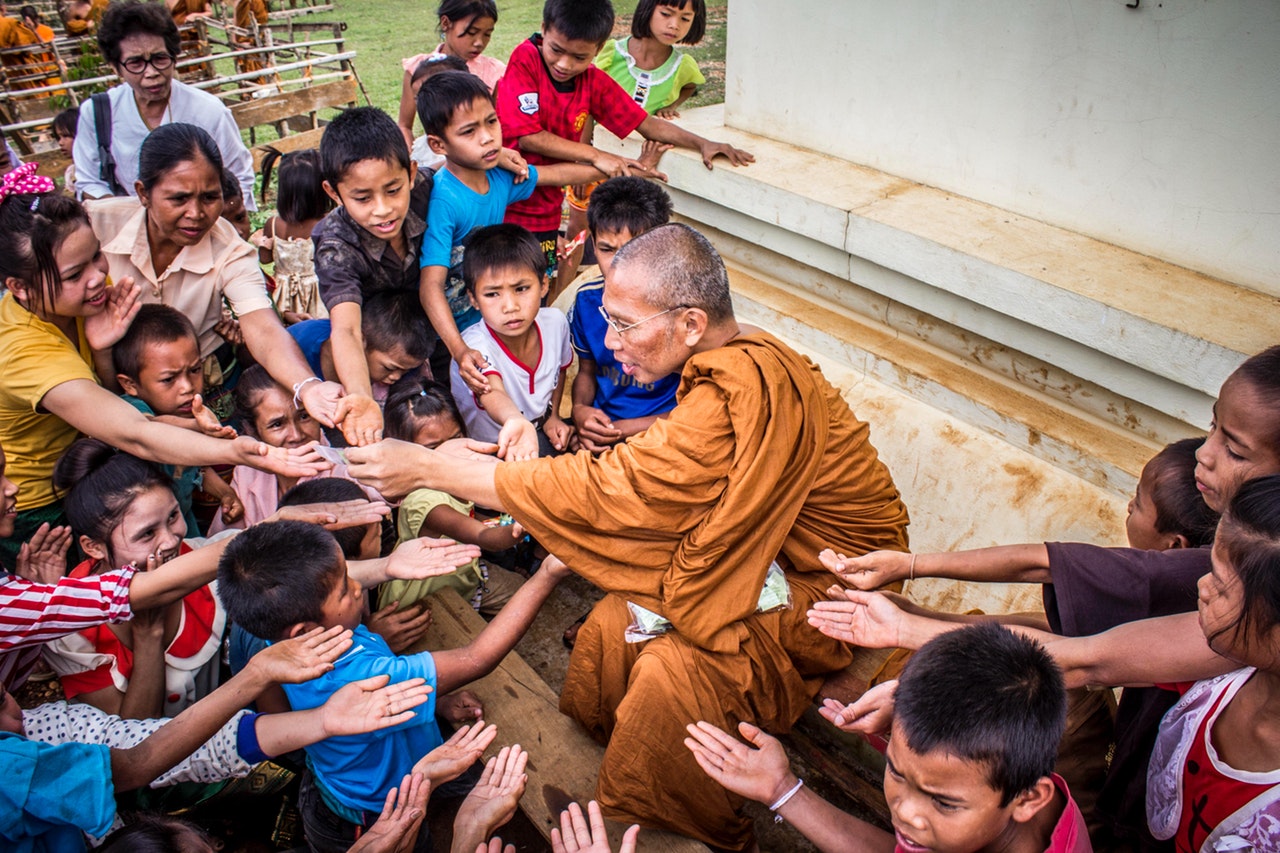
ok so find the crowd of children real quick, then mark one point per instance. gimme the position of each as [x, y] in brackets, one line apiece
[172, 430]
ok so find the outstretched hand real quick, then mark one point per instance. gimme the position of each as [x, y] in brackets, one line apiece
[390, 466]
[867, 619]
[428, 558]
[518, 440]
[450, 759]
[360, 419]
[43, 558]
[396, 829]
[870, 571]
[471, 368]
[492, 802]
[579, 834]
[371, 704]
[871, 714]
[283, 461]
[207, 422]
[762, 774]
[303, 657]
[337, 515]
[402, 629]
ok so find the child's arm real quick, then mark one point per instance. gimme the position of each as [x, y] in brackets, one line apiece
[266, 243]
[413, 560]
[555, 427]
[664, 131]
[355, 708]
[144, 697]
[458, 667]
[518, 438]
[408, 108]
[447, 522]
[547, 144]
[229, 503]
[596, 431]
[1003, 563]
[764, 774]
[672, 110]
[471, 362]
[361, 419]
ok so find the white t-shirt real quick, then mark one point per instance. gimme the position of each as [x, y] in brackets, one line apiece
[528, 386]
[187, 105]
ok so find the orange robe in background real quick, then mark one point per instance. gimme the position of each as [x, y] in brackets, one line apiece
[760, 459]
[81, 26]
[247, 12]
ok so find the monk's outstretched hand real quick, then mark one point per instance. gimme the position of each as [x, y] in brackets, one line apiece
[392, 468]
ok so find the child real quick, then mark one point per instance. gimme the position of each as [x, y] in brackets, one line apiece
[64, 129]
[609, 405]
[280, 580]
[423, 412]
[301, 203]
[163, 659]
[458, 115]
[969, 767]
[233, 209]
[158, 366]
[551, 89]
[525, 347]
[397, 341]
[647, 65]
[419, 149]
[1167, 511]
[465, 29]
[369, 243]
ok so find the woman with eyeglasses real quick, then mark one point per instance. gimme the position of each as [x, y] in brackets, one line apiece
[141, 42]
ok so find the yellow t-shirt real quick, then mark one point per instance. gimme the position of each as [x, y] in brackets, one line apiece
[410, 517]
[35, 358]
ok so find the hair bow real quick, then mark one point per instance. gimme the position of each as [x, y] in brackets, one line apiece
[23, 180]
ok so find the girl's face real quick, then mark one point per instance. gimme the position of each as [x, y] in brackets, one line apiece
[183, 204]
[279, 424]
[8, 501]
[1221, 607]
[436, 430]
[466, 39]
[1240, 445]
[152, 525]
[66, 141]
[670, 24]
[83, 271]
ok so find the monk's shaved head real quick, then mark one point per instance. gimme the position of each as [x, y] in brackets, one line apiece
[681, 267]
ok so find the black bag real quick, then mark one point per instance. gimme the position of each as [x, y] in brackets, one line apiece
[102, 124]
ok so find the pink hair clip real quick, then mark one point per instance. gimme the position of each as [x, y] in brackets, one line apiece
[24, 180]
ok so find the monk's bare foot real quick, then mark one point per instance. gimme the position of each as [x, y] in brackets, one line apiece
[460, 706]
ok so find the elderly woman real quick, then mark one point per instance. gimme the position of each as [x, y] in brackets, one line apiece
[140, 40]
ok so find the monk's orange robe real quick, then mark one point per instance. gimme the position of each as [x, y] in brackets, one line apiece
[246, 13]
[760, 459]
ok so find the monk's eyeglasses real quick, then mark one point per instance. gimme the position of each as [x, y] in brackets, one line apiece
[138, 64]
[619, 328]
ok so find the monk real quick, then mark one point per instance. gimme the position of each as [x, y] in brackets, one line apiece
[760, 462]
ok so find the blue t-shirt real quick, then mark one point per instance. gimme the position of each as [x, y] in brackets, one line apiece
[311, 335]
[617, 395]
[358, 770]
[53, 793]
[185, 481]
[457, 210]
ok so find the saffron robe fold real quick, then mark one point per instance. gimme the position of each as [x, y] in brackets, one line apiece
[761, 459]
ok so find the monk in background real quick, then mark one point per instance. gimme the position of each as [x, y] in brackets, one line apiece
[760, 462]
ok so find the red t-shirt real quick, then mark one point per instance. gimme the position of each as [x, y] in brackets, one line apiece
[530, 101]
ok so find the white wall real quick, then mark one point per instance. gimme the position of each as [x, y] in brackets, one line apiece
[1155, 128]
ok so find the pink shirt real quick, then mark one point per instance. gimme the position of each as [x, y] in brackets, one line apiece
[487, 68]
[260, 494]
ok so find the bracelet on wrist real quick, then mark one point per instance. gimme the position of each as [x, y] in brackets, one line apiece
[297, 390]
[784, 799]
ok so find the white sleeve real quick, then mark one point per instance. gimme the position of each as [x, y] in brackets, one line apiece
[85, 155]
[236, 159]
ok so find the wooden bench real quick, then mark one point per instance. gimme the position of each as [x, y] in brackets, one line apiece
[284, 110]
[563, 760]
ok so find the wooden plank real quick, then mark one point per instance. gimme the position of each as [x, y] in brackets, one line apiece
[563, 760]
[294, 142]
[275, 108]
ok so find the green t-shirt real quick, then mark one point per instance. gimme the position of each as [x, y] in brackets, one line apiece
[654, 89]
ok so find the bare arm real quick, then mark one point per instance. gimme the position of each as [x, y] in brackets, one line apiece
[1004, 563]
[348, 349]
[1164, 650]
[396, 468]
[664, 131]
[277, 351]
[549, 145]
[448, 522]
[408, 108]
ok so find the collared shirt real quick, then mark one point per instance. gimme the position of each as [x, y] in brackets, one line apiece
[187, 105]
[353, 263]
[220, 266]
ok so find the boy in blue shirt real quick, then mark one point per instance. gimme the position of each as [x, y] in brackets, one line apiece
[280, 580]
[609, 405]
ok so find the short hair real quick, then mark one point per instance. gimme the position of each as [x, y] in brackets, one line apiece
[100, 482]
[145, 832]
[331, 490]
[987, 695]
[685, 270]
[1262, 373]
[122, 20]
[643, 15]
[154, 324]
[171, 145]
[579, 20]
[1249, 535]
[443, 94]
[1180, 508]
[300, 196]
[278, 574]
[395, 318]
[628, 202]
[435, 64]
[413, 399]
[357, 134]
[501, 247]
[231, 187]
[66, 122]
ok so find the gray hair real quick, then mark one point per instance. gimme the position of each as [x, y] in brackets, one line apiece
[684, 270]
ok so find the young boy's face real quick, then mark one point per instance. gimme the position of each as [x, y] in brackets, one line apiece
[170, 375]
[473, 139]
[345, 603]
[608, 242]
[509, 299]
[376, 195]
[66, 141]
[941, 803]
[566, 58]
[233, 211]
[1140, 523]
[387, 367]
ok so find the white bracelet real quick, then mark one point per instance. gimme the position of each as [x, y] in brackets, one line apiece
[782, 801]
[297, 390]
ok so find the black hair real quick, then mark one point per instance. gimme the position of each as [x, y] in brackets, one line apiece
[99, 483]
[331, 490]
[415, 399]
[154, 324]
[122, 20]
[230, 187]
[277, 575]
[32, 229]
[1249, 535]
[628, 202]
[579, 20]
[392, 318]
[300, 196]
[644, 14]
[987, 695]
[436, 63]
[684, 269]
[252, 383]
[501, 247]
[171, 145]
[461, 10]
[1180, 508]
[442, 94]
[147, 832]
[29, 12]
[1262, 372]
[66, 122]
[357, 134]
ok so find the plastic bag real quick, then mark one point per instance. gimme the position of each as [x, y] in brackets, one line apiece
[775, 595]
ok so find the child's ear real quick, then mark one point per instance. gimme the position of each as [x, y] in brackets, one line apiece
[546, 285]
[128, 385]
[471, 297]
[436, 144]
[1179, 541]
[331, 192]
[93, 548]
[1028, 803]
[299, 629]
